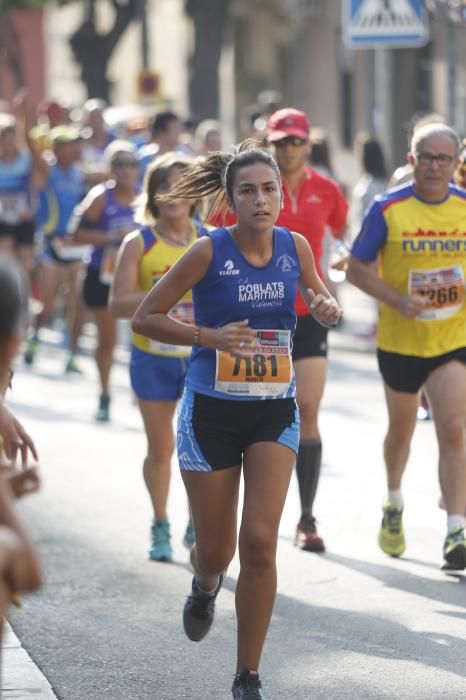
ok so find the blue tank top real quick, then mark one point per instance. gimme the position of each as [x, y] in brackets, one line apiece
[114, 218]
[15, 194]
[57, 201]
[14, 176]
[234, 290]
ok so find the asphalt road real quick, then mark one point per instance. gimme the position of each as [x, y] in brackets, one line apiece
[350, 624]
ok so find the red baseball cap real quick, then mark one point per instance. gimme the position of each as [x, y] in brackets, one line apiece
[287, 122]
[51, 108]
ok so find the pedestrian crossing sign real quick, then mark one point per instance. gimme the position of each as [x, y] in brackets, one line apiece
[385, 23]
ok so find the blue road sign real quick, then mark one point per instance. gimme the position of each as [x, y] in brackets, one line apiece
[385, 23]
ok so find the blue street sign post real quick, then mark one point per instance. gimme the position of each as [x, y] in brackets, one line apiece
[384, 23]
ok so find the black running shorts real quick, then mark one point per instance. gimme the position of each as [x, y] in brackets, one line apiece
[310, 339]
[407, 373]
[213, 433]
[95, 292]
[23, 233]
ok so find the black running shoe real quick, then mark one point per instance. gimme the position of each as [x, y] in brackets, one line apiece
[247, 686]
[198, 612]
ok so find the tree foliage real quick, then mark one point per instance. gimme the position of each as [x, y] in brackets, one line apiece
[6, 5]
[92, 49]
[210, 21]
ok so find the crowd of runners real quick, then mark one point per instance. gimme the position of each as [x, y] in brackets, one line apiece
[225, 259]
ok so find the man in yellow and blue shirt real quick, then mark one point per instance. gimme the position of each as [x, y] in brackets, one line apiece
[411, 256]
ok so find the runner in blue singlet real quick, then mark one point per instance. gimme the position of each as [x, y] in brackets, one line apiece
[103, 219]
[238, 412]
[22, 173]
[60, 262]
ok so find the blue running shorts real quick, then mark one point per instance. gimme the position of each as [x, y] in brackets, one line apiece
[157, 377]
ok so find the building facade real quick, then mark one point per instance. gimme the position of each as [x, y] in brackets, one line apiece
[296, 47]
[291, 47]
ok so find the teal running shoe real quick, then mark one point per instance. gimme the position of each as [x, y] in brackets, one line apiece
[189, 536]
[103, 412]
[160, 549]
[72, 366]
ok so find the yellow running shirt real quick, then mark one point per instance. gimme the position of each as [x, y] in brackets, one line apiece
[421, 248]
[157, 258]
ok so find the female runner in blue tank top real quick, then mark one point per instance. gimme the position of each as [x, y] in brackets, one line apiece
[103, 219]
[238, 410]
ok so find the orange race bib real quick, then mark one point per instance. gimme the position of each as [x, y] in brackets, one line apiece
[263, 369]
[443, 288]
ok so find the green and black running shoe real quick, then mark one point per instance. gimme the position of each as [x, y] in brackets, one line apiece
[391, 535]
[454, 550]
[31, 349]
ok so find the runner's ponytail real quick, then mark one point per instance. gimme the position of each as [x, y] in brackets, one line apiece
[213, 177]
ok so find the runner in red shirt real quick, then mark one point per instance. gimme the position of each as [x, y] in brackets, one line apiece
[311, 203]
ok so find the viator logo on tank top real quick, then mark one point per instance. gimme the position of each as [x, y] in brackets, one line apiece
[229, 269]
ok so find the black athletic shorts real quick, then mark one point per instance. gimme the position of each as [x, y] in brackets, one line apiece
[95, 292]
[213, 433]
[310, 339]
[408, 373]
[22, 233]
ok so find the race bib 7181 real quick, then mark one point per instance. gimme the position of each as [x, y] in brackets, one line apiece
[262, 369]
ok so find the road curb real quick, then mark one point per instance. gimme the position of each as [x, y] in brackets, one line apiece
[21, 679]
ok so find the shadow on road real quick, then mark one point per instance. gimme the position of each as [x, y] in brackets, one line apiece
[451, 590]
[113, 611]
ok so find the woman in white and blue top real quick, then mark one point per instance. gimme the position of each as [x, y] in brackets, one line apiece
[238, 411]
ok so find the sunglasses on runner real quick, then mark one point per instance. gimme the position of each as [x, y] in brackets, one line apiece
[290, 141]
